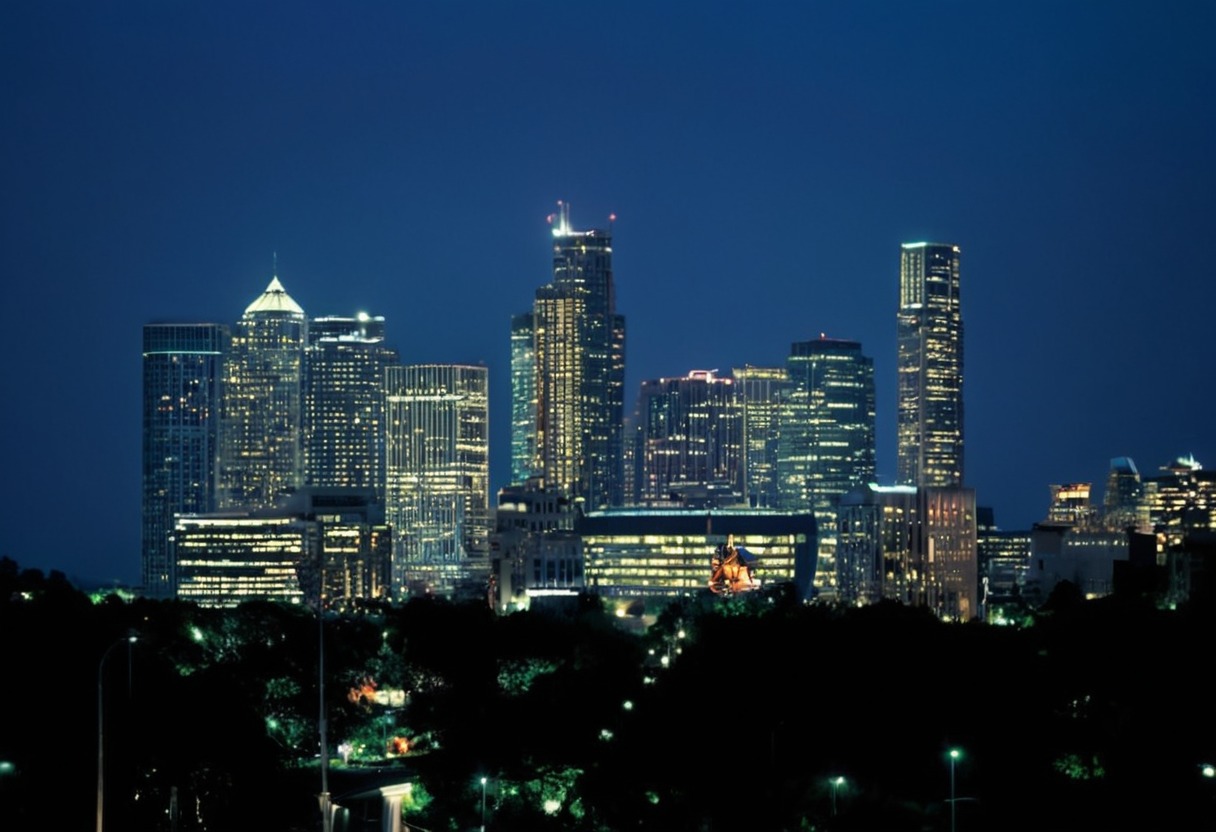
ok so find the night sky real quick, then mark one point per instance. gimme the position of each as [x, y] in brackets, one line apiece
[764, 162]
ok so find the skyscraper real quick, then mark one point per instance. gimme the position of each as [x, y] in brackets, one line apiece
[826, 441]
[760, 391]
[344, 369]
[183, 380]
[261, 456]
[438, 474]
[523, 398]
[690, 436]
[580, 369]
[930, 366]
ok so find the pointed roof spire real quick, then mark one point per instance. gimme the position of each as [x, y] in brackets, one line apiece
[274, 299]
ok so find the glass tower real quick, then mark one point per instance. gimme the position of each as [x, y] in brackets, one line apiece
[261, 455]
[580, 369]
[826, 441]
[760, 391]
[437, 467]
[691, 434]
[183, 379]
[930, 366]
[344, 366]
[523, 398]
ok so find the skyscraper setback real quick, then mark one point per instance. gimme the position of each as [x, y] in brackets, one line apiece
[579, 355]
[930, 366]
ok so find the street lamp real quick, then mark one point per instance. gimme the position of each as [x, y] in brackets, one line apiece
[836, 782]
[128, 640]
[483, 804]
[954, 755]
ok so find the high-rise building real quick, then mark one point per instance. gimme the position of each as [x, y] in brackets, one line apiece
[523, 398]
[261, 451]
[579, 343]
[826, 435]
[760, 391]
[913, 545]
[690, 436]
[437, 498]
[327, 546]
[183, 380]
[930, 366]
[344, 366]
[1124, 506]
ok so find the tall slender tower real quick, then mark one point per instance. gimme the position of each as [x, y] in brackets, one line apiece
[344, 366]
[438, 474]
[580, 369]
[930, 365]
[826, 442]
[261, 453]
[523, 398]
[761, 390]
[183, 379]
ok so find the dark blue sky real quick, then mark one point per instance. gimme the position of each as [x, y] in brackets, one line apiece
[765, 162]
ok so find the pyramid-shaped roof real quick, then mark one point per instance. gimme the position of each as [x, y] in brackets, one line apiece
[274, 299]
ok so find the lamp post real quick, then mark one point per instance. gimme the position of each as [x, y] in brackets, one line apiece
[836, 782]
[483, 804]
[954, 755]
[128, 640]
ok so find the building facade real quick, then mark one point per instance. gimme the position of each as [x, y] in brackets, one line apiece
[344, 366]
[929, 415]
[326, 546]
[760, 391]
[690, 435]
[437, 474]
[657, 553]
[579, 353]
[262, 454]
[523, 398]
[826, 435]
[912, 545]
[182, 392]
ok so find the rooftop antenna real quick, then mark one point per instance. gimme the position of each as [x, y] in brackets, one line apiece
[275, 273]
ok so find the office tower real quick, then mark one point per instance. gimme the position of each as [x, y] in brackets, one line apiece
[1003, 559]
[183, 380]
[1181, 501]
[945, 549]
[261, 451]
[908, 544]
[580, 369]
[325, 546]
[344, 366]
[523, 398]
[826, 435]
[930, 366]
[1124, 506]
[760, 390]
[874, 537]
[690, 438]
[438, 474]
[668, 552]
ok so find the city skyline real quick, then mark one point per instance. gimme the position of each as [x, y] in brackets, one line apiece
[765, 167]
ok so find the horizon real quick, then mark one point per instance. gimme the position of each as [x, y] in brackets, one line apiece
[764, 166]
